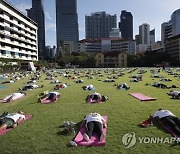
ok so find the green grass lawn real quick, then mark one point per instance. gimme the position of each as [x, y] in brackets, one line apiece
[43, 132]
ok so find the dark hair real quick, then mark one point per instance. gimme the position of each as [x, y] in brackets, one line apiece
[159, 109]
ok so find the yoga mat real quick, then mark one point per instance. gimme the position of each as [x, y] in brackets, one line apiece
[90, 101]
[142, 97]
[6, 130]
[94, 139]
[47, 101]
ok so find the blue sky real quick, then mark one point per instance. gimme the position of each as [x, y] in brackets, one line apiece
[153, 12]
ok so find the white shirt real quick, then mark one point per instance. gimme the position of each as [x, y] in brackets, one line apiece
[96, 117]
[54, 92]
[17, 96]
[15, 116]
[175, 93]
[163, 113]
[34, 86]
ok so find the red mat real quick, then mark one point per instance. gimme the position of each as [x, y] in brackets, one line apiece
[142, 97]
[6, 130]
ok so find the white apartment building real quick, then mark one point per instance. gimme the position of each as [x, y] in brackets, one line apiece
[108, 44]
[18, 34]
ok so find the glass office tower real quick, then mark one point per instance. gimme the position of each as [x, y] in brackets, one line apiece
[126, 25]
[67, 32]
[36, 13]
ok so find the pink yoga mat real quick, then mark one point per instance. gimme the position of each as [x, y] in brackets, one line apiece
[142, 97]
[91, 101]
[6, 130]
[47, 101]
[94, 139]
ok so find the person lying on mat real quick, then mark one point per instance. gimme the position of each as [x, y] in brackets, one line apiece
[12, 97]
[61, 86]
[123, 86]
[53, 95]
[29, 87]
[10, 81]
[94, 123]
[11, 120]
[88, 87]
[96, 98]
[160, 85]
[169, 119]
[174, 94]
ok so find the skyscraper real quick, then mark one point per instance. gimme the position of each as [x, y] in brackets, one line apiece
[172, 27]
[99, 25]
[126, 25]
[152, 36]
[66, 25]
[36, 13]
[144, 34]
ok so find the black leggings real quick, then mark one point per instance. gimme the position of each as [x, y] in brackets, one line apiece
[94, 126]
[173, 123]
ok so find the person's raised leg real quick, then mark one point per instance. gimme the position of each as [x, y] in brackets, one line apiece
[98, 128]
[88, 134]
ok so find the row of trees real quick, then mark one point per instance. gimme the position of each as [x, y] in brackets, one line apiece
[149, 59]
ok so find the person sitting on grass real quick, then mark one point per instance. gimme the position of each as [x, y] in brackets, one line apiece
[96, 98]
[12, 97]
[94, 123]
[11, 120]
[53, 95]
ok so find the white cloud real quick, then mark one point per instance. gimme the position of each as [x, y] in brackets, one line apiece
[22, 7]
[50, 27]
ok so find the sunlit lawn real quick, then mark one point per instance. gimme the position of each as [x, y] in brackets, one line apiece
[43, 132]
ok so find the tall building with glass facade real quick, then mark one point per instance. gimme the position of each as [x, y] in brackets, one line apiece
[126, 25]
[172, 27]
[36, 13]
[144, 34]
[99, 25]
[66, 25]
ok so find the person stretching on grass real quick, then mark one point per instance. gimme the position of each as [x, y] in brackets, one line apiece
[96, 98]
[54, 96]
[94, 123]
[12, 97]
[11, 120]
[169, 119]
